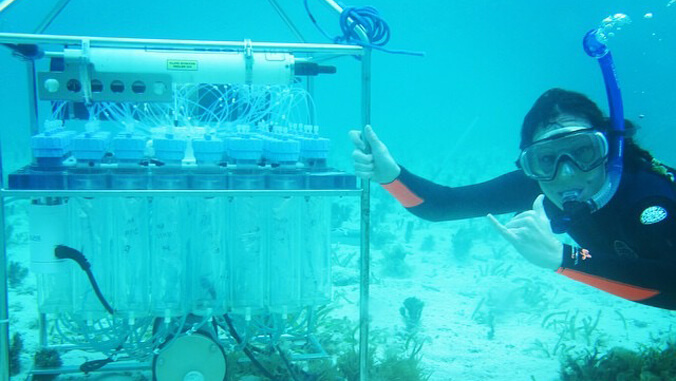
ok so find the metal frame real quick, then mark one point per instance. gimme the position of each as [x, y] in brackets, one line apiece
[141, 43]
[169, 193]
[4, 308]
[364, 192]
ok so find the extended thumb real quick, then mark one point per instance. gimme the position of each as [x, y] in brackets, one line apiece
[371, 137]
[538, 204]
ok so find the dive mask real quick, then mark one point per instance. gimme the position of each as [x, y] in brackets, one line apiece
[586, 148]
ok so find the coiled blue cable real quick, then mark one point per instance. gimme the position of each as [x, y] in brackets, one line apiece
[375, 27]
[368, 18]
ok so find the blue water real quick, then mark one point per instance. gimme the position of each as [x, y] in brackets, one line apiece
[485, 63]
[453, 114]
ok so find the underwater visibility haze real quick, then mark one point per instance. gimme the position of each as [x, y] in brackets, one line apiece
[190, 211]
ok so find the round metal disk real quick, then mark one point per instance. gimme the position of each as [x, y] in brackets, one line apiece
[190, 358]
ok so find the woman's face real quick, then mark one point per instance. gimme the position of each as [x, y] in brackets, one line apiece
[569, 179]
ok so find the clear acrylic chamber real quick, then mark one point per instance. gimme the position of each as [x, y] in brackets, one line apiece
[200, 212]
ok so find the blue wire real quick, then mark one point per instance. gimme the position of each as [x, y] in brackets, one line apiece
[366, 17]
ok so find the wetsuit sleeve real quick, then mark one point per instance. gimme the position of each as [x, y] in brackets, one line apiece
[646, 275]
[511, 192]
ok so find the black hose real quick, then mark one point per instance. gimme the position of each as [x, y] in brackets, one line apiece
[287, 363]
[99, 295]
[246, 349]
[65, 252]
[93, 365]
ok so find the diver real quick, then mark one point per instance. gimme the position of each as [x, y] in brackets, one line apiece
[626, 246]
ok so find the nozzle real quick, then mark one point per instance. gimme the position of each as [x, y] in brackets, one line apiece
[26, 51]
[570, 196]
[312, 69]
[571, 204]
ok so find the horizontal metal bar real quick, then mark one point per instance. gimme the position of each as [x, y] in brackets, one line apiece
[118, 42]
[318, 58]
[116, 367]
[68, 347]
[181, 192]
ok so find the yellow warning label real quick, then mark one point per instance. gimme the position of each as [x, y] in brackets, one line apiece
[182, 65]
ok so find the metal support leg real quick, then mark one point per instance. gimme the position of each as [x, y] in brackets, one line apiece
[43, 341]
[32, 99]
[365, 231]
[310, 86]
[4, 310]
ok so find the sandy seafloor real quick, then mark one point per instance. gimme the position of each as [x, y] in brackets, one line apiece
[527, 306]
[466, 288]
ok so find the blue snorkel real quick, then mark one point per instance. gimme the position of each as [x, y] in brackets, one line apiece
[594, 45]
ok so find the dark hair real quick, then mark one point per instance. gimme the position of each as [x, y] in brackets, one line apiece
[556, 102]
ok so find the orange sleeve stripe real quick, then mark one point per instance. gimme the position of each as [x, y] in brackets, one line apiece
[404, 195]
[622, 290]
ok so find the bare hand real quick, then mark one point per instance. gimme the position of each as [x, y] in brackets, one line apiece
[531, 235]
[378, 165]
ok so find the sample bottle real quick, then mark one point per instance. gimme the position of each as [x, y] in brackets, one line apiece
[48, 219]
[130, 224]
[90, 227]
[169, 243]
[247, 227]
[316, 224]
[208, 257]
[284, 217]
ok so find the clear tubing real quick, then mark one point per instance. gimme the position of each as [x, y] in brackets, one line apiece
[142, 340]
[126, 114]
[155, 114]
[68, 329]
[191, 104]
[60, 110]
[216, 112]
[209, 105]
[295, 104]
[101, 338]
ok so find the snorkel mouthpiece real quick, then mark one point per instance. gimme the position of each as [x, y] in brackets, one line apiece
[570, 196]
[571, 206]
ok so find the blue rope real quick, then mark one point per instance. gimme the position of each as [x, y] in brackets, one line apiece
[367, 17]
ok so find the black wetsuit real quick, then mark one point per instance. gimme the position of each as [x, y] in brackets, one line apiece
[628, 247]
